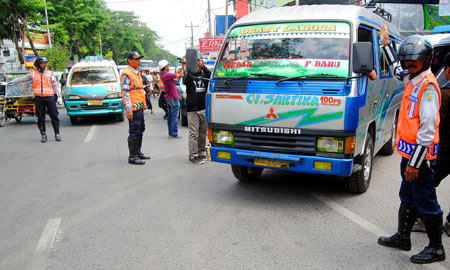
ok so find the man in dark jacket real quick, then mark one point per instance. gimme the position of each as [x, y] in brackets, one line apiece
[196, 87]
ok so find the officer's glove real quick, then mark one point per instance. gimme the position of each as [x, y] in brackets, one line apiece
[59, 100]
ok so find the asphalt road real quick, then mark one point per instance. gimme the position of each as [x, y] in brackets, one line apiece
[77, 204]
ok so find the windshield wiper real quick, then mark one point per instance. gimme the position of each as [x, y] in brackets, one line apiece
[320, 75]
[265, 75]
[236, 78]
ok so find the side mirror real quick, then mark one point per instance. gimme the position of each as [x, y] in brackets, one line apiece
[191, 61]
[362, 57]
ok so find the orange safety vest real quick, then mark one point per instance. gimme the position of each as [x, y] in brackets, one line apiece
[161, 87]
[42, 83]
[409, 119]
[137, 92]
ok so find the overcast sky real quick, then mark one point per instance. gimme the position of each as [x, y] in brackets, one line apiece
[170, 17]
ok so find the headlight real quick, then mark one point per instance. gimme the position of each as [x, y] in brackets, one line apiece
[2, 97]
[330, 145]
[74, 97]
[115, 95]
[223, 137]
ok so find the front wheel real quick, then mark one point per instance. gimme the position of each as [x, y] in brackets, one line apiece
[73, 120]
[246, 173]
[359, 181]
[18, 118]
[2, 116]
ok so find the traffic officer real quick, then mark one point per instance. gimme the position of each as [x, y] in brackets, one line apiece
[46, 93]
[417, 142]
[133, 94]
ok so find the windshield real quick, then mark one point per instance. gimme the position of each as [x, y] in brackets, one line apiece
[92, 75]
[289, 50]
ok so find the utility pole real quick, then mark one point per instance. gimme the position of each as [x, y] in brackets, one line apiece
[100, 39]
[192, 33]
[48, 29]
[226, 17]
[211, 32]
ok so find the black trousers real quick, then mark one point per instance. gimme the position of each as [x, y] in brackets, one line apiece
[46, 104]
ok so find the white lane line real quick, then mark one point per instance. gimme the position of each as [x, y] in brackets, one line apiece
[39, 260]
[368, 226]
[90, 134]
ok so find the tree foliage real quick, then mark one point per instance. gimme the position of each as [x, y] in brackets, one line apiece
[58, 57]
[81, 27]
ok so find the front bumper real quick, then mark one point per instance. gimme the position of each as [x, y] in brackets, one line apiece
[81, 107]
[297, 163]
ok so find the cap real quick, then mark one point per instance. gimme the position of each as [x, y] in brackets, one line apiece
[134, 55]
[162, 63]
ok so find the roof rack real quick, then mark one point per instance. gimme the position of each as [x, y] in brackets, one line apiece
[379, 11]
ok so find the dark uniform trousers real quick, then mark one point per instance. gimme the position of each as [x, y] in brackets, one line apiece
[136, 126]
[46, 104]
[420, 193]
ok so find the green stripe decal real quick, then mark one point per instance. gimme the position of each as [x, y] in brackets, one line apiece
[306, 118]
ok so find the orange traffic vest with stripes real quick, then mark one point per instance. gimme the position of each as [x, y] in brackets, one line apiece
[137, 92]
[409, 119]
[42, 83]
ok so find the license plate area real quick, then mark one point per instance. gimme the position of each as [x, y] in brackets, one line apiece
[271, 163]
[95, 102]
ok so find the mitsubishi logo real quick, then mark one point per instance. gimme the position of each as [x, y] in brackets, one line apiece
[272, 114]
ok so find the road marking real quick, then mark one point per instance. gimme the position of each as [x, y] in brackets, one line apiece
[90, 134]
[39, 260]
[368, 226]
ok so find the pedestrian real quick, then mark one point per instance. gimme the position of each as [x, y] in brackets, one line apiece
[417, 142]
[148, 91]
[196, 87]
[46, 94]
[133, 94]
[173, 105]
[156, 79]
[162, 99]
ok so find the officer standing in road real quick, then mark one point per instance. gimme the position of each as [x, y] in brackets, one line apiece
[417, 142]
[134, 103]
[46, 93]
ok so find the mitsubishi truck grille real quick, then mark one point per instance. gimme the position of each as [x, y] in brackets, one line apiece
[275, 143]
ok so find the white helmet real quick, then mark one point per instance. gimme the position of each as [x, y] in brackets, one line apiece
[162, 64]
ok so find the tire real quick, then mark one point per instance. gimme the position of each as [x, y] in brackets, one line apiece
[73, 120]
[2, 116]
[18, 118]
[389, 147]
[246, 173]
[359, 181]
[119, 117]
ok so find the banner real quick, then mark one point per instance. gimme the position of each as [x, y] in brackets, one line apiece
[432, 18]
[444, 7]
[210, 44]
[38, 38]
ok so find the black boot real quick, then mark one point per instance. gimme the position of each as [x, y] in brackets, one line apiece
[41, 127]
[401, 240]
[434, 252]
[139, 153]
[133, 158]
[56, 129]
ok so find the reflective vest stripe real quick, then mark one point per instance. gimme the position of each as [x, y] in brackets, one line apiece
[414, 97]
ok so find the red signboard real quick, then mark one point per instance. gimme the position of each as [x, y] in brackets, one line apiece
[210, 44]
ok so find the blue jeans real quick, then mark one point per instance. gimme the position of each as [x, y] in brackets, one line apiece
[173, 108]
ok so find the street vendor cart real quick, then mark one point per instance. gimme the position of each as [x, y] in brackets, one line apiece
[15, 99]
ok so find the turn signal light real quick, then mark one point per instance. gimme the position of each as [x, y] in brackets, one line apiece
[350, 145]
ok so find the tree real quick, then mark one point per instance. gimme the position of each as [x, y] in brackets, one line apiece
[17, 15]
[58, 57]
